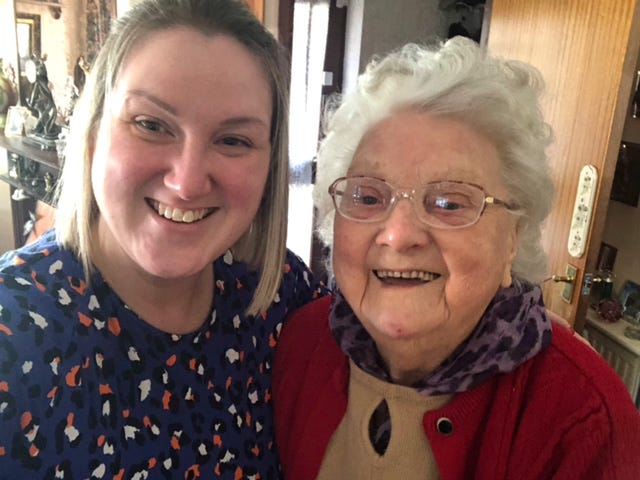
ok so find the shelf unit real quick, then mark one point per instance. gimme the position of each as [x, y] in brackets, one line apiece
[32, 170]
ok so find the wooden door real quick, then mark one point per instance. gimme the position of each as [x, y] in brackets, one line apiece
[257, 7]
[586, 51]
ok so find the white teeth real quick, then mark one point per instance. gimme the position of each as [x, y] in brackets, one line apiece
[178, 215]
[412, 275]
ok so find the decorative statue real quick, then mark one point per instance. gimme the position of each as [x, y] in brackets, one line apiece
[41, 102]
[80, 72]
[71, 95]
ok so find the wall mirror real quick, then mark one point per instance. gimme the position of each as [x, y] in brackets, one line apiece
[67, 34]
[28, 41]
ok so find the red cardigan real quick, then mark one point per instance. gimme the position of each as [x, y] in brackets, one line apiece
[564, 414]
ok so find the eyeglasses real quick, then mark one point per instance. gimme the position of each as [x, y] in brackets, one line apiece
[447, 204]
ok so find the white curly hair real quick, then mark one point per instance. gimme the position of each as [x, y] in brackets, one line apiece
[458, 79]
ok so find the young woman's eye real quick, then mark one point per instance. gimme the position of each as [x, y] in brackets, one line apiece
[150, 125]
[235, 142]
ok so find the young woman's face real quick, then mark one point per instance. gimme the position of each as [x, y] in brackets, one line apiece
[418, 290]
[182, 153]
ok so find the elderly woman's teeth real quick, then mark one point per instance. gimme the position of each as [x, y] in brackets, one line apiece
[411, 275]
[178, 215]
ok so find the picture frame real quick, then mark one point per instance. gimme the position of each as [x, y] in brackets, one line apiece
[630, 301]
[15, 122]
[606, 257]
[626, 180]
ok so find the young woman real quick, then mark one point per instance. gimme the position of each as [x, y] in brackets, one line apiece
[136, 338]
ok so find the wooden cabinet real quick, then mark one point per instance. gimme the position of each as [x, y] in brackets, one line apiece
[32, 174]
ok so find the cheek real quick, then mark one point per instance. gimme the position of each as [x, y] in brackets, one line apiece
[478, 260]
[243, 185]
[349, 256]
[503, 244]
[113, 166]
[99, 165]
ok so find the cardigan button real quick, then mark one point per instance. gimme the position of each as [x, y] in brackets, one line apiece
[444, 426]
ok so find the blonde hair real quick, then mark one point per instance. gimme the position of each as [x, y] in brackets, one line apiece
[263, 245]
[455, 79]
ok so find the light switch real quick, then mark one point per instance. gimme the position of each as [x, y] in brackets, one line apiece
[582, 211]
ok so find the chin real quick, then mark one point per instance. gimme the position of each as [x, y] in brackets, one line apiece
[402, 323]
[174, 270]
[392, 329]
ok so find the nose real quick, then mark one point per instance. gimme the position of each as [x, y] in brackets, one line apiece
[403, 230]
[189, 174]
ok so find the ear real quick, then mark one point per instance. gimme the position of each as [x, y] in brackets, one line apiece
[512, 242]
[506, 277]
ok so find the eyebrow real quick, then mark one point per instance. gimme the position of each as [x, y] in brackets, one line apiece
[233, 121]
[455, 174]
[151, 98]
[459, 174]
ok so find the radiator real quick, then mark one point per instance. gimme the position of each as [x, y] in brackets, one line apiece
[623, 361]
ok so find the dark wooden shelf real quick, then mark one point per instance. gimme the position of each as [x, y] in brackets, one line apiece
[47, 198]
[40, 163]
[11, 181]
[19, 146]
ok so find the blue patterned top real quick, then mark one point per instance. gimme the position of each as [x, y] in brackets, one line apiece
[90, 391]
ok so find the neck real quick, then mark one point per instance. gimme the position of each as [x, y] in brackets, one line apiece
[408, 362]
[172, 305]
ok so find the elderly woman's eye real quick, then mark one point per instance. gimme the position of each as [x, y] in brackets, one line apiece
[366, 197]
[368, 200]
[446, 204]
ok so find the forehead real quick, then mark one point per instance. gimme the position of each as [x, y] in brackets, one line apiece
[182, 56]
[410, 146]
[190, 42]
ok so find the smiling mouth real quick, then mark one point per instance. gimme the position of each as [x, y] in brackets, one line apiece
[178, 215]
[412, 276]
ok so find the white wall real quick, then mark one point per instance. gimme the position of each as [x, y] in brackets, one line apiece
[271, 8]
[622, 230]
[6, 219]
[7, 33]
[376, 27]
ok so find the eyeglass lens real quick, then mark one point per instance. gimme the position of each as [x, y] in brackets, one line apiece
[447, 204]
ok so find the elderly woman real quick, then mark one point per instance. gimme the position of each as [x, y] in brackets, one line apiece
[137, 337]
[435, 358]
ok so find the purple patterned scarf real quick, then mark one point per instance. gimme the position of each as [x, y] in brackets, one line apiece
[513, 329]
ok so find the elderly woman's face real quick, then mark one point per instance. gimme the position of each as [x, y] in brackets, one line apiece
[419, 290]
